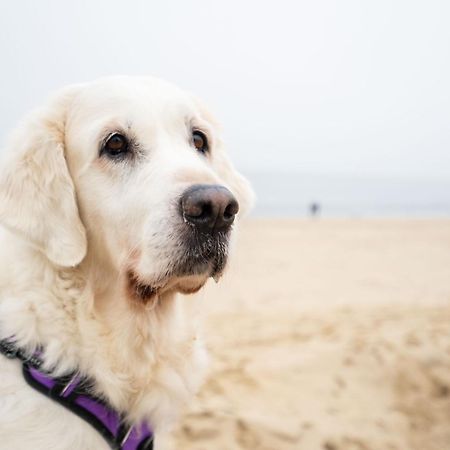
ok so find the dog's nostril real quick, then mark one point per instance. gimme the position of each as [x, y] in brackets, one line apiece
[231, 210]
[227, 215]
[209, 207]
[195, 209]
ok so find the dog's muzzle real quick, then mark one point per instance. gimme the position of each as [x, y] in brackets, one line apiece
[208, 213]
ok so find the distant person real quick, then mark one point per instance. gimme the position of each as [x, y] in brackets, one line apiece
[314, 209]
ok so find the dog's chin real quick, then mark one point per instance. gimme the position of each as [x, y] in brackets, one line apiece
[190, 284]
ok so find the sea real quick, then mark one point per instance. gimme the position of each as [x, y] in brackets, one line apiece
[296, 194]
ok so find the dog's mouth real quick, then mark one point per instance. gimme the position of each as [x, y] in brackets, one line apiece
[199, 260]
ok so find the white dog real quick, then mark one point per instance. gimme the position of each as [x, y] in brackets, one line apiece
[114, 198]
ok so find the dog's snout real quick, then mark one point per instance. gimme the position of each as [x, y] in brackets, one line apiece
[209, 207]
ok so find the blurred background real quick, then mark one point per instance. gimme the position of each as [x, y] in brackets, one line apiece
[341, 103]
[329, 334]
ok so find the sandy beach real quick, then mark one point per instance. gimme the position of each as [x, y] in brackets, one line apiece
[328, 335]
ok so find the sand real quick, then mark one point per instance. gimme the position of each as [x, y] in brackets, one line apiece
[328, 335]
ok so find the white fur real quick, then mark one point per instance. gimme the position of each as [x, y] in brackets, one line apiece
[73, 224]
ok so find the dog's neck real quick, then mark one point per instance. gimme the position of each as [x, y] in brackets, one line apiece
[142, 359]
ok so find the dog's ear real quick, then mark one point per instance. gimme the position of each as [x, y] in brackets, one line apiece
[37, 195]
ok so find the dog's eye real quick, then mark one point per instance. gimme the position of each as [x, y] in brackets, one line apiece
[200, 142]
[116, 146]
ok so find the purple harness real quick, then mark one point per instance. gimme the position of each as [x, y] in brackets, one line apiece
[72, 392]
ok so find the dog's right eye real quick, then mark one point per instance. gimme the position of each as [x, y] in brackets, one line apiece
[115, 147]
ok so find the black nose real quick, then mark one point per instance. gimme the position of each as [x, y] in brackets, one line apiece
[209, 207]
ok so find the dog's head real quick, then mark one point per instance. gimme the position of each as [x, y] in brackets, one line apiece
[132, 171]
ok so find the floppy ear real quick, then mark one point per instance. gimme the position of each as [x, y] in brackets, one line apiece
[37, 195]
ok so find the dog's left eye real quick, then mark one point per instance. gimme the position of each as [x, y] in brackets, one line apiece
[116, 146]
[200, 141]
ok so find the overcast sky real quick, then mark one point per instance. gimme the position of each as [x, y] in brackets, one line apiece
[317, 86]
